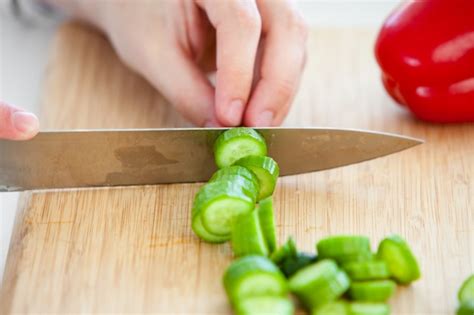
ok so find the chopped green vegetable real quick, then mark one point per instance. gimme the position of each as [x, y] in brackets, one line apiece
[400, 260]
[234, 170]
[247, 236]
[253, 276]
[466, 308]
[286, 250]
[265, 305]
[466, 292]
[266, 170]
[367, 270]
[372, 291]
[267, 222]
[319, 283]
[290, 265]
[332, 308]
[358, 308]
[237, 143]
[344, 248]
[200, 231]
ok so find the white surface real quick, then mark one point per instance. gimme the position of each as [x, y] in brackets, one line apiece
[23, 53]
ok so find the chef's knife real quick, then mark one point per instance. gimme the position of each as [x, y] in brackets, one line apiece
[89, 158]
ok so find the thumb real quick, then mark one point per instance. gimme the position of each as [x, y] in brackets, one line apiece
[16, 124]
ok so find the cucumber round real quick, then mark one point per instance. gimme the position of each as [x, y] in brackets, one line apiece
[252, 276]
[320, 283]
[200, 231]
[267, 222]
[466, 292]
[290, 265]
[266, 170]
[358, 308]
[400, 260]
[247, 236]
[285, 251]
[237, 143]
[219, 203]
[332, 308]
[251, 188]
[234, 170]
[372, 291]
[344, 248]
[366, 270]
[265, 305]
[466, 308]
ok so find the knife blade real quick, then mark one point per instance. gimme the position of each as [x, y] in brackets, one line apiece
[92, 158]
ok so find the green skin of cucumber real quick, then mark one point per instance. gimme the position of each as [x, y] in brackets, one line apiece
[366, 270]
[265, 305]
[358, 308]
[267, 222]
[200, 231]
[400, 260]
[344, 248]
[319, 283]
[239, 276]
[372, 291]
[266, 170]
[247, 236]
[285, 251]
[237, 143]
[290, 265]
[333, 308]
[466, 308]
[466, 292]
[234, 170]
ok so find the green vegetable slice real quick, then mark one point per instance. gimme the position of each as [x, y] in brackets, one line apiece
[466, 292]
[219, 203]
[367, 270]
[234, 170]
[265, 305]
[332, 308]
[285, 251]
[466, 308]
[247, 236]
[267, 222]
[400, 260]
[253, 276]
[357, 308]
[200, 231]
[237, 143]
[291, 265]
[344, 248]
[319, 283]
[266, 170]
[372, 291]
[250, 187]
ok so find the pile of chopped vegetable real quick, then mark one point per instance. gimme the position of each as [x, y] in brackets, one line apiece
[344, 277]
[466, 297]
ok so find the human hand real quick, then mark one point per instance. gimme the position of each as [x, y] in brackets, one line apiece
[16, 124]
[164, 41]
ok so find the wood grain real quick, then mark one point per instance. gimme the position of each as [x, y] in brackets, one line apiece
[132, 250]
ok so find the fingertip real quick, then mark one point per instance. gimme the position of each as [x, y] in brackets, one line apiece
[230, 115]
[26, 125]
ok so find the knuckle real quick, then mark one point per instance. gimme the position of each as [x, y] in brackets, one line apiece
[248, 18]
[284, 88]
[299, 25]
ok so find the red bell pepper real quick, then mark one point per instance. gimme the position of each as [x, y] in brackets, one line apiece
[426, 52]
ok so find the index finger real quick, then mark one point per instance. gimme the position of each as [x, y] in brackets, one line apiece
[238, 28]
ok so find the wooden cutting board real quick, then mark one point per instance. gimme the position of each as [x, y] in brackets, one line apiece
[132, 249]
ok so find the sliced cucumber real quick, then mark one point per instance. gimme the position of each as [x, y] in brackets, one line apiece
[250, 187]
[200, 231]
[466, 292]
[291, 265]
[247, 236]
[266, 170]
[253, 276]
[358, 308]
[265, 305]
[367, 270]
[219, 203]
[400, 260]
[318, 284]
[344, 248]
[234, 170]
[332, 308]
[267, 222]
[285, 251]
[237, 143]
[372, 291]
[466, 308]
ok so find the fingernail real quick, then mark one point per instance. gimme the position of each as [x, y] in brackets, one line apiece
[25, 122]
[265, 119]
[234, 112]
